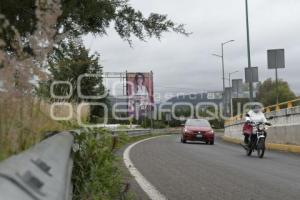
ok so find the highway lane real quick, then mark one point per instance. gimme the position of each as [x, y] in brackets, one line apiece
[222, 171]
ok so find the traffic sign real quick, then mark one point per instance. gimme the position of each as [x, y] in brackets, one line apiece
[251, 74]
[276, 58]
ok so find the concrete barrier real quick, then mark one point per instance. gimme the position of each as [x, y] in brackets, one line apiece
[283, 135]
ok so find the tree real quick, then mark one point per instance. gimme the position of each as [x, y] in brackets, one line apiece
[29, 29]
[67, 63]
[80, 17]
[267, 92]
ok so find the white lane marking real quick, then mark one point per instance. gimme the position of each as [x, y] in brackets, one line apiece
[150, 190]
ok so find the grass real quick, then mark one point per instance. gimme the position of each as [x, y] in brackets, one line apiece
[22, 124]
[96, 174]
[97, 171]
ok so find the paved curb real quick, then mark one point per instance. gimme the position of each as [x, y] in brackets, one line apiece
[271, 146]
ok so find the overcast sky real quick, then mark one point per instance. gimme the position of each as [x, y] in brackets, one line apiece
[185, 64]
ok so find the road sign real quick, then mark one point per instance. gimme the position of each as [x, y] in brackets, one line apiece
[237, 85]
[276, 58]
[251, 74]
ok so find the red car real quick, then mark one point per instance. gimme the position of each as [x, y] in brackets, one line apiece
[198, 130]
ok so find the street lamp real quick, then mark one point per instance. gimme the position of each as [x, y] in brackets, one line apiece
[222, 57]
[248, 50]
[229, 76]
[223, 68]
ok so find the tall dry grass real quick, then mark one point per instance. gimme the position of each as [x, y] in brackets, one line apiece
[22, 123]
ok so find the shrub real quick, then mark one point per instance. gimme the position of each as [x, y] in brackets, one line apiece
[95, 173]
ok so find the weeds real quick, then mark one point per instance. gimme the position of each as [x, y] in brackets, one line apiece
[96, 173]
[22, 124]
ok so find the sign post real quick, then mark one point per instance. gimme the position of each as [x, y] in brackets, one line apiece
[237, 84]
[251, 76]
[276, 59]
[227, 99]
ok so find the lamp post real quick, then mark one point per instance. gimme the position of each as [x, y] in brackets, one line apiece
[222, 57]
[248, 51]
[223, 67]
[229, 76]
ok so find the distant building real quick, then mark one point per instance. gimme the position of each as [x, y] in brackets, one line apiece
[207, 97]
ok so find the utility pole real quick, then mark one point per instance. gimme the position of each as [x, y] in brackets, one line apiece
[223, 68]
[277, 92]
[248, 51]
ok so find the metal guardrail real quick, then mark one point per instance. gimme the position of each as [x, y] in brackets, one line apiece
[140, 132]
[129, 132]
[41, 173]
[132, 132]
[44, 171]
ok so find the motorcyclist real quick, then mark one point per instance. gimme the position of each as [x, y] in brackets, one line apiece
[254, 115]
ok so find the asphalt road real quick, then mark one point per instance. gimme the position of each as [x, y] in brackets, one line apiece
[222, 171]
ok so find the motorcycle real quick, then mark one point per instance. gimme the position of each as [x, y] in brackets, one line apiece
[257, 139]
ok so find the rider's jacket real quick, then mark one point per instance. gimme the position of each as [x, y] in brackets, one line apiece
[256, 117]
[253, 117]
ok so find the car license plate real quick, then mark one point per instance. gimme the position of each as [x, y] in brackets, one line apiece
[199, 136]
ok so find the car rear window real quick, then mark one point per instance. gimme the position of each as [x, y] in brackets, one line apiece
[197, 122]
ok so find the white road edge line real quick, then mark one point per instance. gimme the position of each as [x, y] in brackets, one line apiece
[150, 190]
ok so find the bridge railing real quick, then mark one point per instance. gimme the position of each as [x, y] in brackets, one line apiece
[268, 109]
